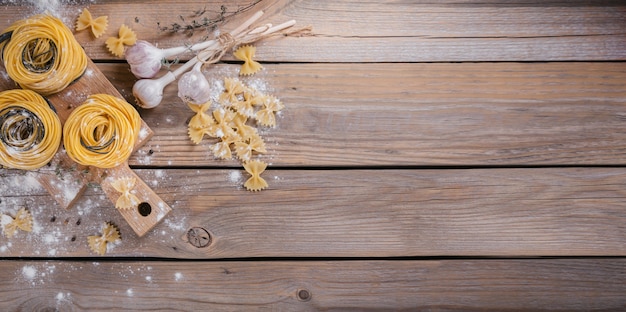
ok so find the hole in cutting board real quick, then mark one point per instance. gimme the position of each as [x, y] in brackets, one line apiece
[144, 209]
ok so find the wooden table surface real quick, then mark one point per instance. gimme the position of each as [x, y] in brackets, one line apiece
[436, 156]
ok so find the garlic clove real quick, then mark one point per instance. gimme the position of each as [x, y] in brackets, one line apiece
[149, 92]
[145, 60]
[193, 87]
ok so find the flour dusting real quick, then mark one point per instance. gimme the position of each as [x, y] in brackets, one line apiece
[29, 272]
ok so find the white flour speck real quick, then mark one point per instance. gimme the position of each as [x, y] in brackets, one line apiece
[178, 276]
[129, 292]
[235, 176]
[29, 272]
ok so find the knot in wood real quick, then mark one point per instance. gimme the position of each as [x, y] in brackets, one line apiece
[198, 237]
[303, 295]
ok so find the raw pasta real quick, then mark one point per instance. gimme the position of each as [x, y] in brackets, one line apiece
[246, 53]
[232, 89]
[110, 234]
[239, 104]
[127, 199]
[255, 182]
[267, 115]
[245, 107]
[244, 148]
[223, 126]
[98, 25]
[197, 134]
[222, 149]
[101, 132]
[126, 36]
[23, 221]
[200, 119]
[42, 54]
[30, 131]
[244, 131]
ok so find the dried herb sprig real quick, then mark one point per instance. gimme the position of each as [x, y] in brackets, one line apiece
[200, 21]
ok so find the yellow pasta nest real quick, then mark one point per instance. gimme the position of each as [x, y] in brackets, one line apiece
[110, 234]
[125, 37]
[23, 221]
[42, 54]
[101, 132]
[97, 25]
[245, 53]
[233, 123]
[30, 131]
[125, 187]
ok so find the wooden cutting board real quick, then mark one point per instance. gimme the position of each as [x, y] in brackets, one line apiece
[66, 180]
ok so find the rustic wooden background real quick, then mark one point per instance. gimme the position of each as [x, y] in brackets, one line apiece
[448, 155]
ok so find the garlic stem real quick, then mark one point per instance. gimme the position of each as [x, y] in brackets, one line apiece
[169, 52]
[280, 27]
[213, 45]
[149, 92]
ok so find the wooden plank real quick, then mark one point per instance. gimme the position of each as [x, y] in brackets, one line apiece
[386, 31]
[448, 285]
[415, 114]
[344, 213]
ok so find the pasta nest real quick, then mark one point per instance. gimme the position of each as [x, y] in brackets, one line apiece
[101, 132]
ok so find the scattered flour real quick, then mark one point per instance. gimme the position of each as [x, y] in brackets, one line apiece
[129, 292]
[29, 272]
[178, 276]
[176, 224]
[234, 176]
[61, 297]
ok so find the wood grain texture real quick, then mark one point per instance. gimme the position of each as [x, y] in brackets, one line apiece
[415, 114]
[386, 31]
[449, 285]
[346, 213]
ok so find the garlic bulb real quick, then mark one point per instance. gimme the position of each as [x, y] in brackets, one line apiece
[193, 87]
[145, 59]
[149, 92]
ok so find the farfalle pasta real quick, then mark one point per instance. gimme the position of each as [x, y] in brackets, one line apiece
[232, 123]
[246, 107]
[244, 149]
[201, 119]
[233, 88]
[126, 37]
[223, 126]
[23, 221]
[197, 134]
[222, 149]
[245, 53]
[255, 182]
[110, 234]
[267, 115]
[98, 25]
[244, 131]
[125, 187]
